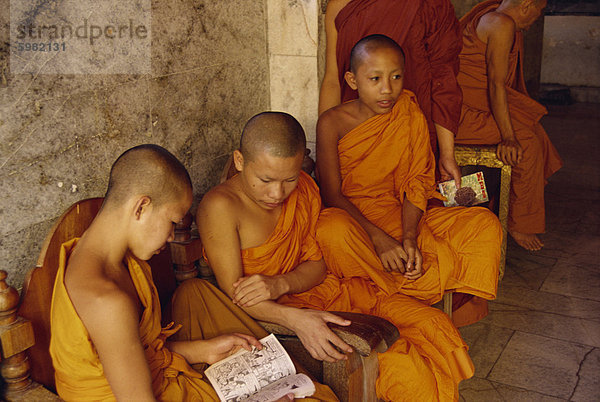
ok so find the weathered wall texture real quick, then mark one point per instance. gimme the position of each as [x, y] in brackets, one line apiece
[575, 38]
[59, 134]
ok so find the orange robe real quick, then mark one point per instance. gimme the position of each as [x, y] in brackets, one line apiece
[429, 34]
[79, 374]
[429, 359]
[382, 160]
[477, 125]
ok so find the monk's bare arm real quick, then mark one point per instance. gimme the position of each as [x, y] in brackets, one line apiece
[388, 249]
[411, 216]
[250, 290]
[217, 225]
[443, 44]
[111, 319]
[212, 350]
[330, 93]
[499, 30]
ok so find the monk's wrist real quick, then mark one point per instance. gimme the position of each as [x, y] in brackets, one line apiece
[282, 285]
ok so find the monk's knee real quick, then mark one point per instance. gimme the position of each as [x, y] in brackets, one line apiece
[190, 292]
[404, 375]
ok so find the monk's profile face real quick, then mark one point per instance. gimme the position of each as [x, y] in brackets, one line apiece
[379, 79]
[268, 180]
[154, 226]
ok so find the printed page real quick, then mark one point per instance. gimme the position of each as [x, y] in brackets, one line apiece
[298, 384]
[472, 192]
[245, 372]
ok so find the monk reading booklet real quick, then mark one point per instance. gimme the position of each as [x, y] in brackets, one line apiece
[258, 375]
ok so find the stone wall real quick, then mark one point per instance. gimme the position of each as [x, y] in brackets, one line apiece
[59, 133]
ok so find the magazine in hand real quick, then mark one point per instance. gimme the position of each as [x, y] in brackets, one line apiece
[472, 191]
[258, 375]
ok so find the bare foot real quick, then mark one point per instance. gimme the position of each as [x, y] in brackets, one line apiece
[529, 241]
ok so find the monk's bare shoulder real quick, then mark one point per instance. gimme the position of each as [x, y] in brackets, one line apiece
[99, 292]
[339, 120]
[222, 201]
[495, 24]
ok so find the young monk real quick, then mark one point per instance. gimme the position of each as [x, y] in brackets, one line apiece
[428, 31]
[107, 342]
[497, 109]
[259, 231]
[375, 162]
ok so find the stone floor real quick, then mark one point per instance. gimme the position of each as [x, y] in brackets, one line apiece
[541, 340]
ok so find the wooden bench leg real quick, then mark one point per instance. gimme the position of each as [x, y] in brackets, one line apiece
[448, 304]
[505, 174]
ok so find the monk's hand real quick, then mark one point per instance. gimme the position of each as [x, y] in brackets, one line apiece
[253, 289]
[449, 169]
[390, 252]
[414, 262]
[217, 348]
[311, 328]
[509, 151]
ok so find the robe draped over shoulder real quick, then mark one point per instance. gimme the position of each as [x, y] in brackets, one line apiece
[478, 126]
[429, 34]
[79, 375]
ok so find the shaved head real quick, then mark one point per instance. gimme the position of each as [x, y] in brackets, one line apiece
[276, 133]
[368, 44]
[147, 170]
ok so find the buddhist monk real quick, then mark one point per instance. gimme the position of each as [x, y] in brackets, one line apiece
[375, 162]
[497, 109]
[259, 231]
[107, 342]
[428, 32]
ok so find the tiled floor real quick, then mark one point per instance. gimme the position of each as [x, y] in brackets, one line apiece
[541, 340]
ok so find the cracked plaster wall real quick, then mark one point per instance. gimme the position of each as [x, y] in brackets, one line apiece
[59, 134]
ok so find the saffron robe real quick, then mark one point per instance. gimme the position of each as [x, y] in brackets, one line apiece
[429, 34]
[382, 160]
[477, 124]
[79, 374]
[429, 359]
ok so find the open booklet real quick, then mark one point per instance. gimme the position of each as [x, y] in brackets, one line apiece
[472, 191]
[258, 375]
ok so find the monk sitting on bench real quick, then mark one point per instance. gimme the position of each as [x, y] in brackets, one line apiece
[106, 337]
[375, 162]
[259, 231]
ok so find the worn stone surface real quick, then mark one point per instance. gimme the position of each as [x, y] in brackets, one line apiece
[575, 38]
[59, 134]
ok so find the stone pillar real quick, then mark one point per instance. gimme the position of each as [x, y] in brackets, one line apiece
[292, 47]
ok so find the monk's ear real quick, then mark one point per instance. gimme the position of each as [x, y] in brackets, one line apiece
[238, 160]
[142, 206]
[351, 79]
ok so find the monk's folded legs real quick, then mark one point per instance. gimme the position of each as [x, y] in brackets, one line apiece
[430, 355]
[205, 312]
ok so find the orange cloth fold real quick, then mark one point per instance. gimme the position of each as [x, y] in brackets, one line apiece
[477, 124]
[428, 360]
[202, 312]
